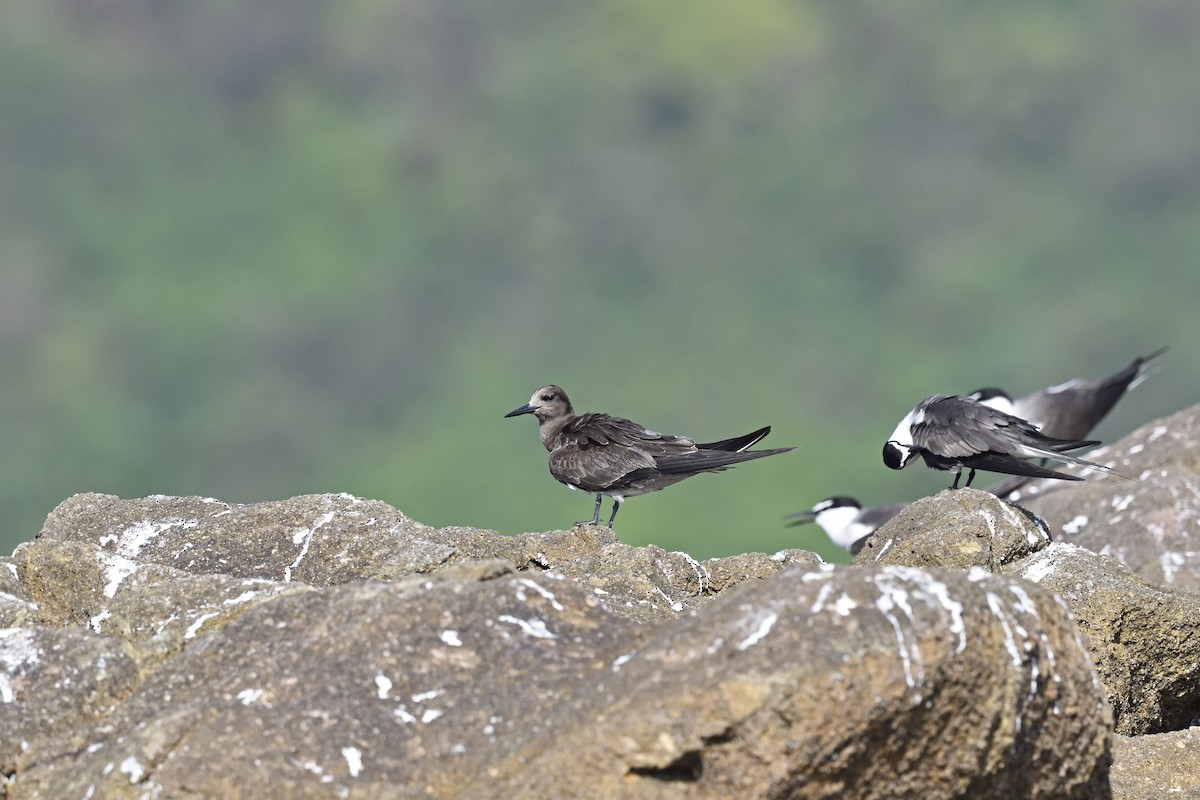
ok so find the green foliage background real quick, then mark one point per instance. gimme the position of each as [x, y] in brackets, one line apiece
[258, 249]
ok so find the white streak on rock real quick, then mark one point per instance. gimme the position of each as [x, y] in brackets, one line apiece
[986, 513]
[450, 639]
[885, 603]
[675, 605]
[194, 628]
[977, 573]
[822, 596]
[823, 573]
[542, 590]
[244, 597]
[1010, 642]
[423, 696]
[94, 622]
[134, 538]
[305, 535]
[17, 650]
[116, 569]
[353, 758]
[531, 627]
[249, 697]
[383, 685]
[133, 768]
[1075, 525]
[702, 577]
[764, 623]
[844, 605]
[1038, 570]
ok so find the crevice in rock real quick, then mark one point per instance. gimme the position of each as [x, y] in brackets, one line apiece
[689, 767]
[686, 769]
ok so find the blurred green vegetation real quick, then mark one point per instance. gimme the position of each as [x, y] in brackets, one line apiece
[258, 249]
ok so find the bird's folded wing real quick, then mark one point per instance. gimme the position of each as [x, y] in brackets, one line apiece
[595, 468]
[601, 429]
[1011, 465]
[708, 460]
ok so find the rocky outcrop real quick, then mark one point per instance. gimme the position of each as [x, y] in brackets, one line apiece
[1148, 520]
[959, 528]
[1154, 767]
[1144, 639]
[329, 646]
[319, 540]
[530, 666]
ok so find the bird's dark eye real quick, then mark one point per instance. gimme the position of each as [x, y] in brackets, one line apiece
[546, 398]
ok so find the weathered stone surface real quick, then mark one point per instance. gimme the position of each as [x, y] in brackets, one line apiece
[1144, 639]
[154, 609]
[15, 606]
[959, 528]
[876, 682]
[1150, 524]
[1158, 766]
[293, 649]
[326, 539]
[722, 573]
[359, 690]
[53, 682]
[866, 683]
[315, 539]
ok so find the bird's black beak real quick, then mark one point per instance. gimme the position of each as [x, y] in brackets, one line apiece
[525, 409]
[801, 518]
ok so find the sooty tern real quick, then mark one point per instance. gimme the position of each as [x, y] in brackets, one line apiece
[845, 521]
[612, 456]
[1070, 410]
[951, 432]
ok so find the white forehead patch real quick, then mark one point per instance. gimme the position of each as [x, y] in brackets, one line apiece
[824, 504]
[903, 433]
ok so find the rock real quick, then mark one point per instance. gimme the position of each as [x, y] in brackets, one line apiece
[1154, 767]
[315, 539]
[325, 539]
[15, 606]
[1143, 639]
[154, 609]
[1151, 524]
[863, 682]
[852, 682]
[54, 683]
[957, 528]
[361, 689]
[728, 571]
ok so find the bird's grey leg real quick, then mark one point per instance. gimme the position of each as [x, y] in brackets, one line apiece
[595, 520]
[971, 477]
[616, 505]
[957, 475]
